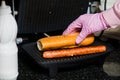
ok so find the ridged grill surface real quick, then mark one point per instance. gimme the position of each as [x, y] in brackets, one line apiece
[31, 49]
[48, 15]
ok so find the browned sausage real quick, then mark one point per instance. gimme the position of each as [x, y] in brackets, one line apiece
[74, 51]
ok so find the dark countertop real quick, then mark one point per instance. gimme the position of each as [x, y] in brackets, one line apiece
[29, 70]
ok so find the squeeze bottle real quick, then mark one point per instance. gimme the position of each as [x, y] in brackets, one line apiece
[8, 47]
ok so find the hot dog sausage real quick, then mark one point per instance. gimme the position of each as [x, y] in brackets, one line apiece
[74, 51]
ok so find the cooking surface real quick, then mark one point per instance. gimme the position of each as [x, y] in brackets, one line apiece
[31, 49]
[29, 70]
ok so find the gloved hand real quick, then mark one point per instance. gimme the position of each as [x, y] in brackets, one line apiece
[86, 24]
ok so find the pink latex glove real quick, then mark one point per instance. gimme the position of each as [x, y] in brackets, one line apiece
[86, 24]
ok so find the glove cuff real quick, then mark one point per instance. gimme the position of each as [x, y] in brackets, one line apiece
[111, 18]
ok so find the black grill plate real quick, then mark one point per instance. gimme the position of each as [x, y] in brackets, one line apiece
[53, 64]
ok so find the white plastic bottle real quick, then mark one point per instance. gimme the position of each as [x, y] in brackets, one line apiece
[8, 47]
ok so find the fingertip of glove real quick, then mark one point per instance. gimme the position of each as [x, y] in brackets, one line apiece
[78, 41]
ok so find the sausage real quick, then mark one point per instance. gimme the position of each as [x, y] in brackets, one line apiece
[74, 51]
[62, 41]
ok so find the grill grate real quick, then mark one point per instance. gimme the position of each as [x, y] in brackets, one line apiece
[53, 64]
[48, 15]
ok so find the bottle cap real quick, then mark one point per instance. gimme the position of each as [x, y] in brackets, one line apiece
[4, 9]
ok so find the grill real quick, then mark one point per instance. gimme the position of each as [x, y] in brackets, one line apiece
[48, 15]
[53, 16]
[54, 64]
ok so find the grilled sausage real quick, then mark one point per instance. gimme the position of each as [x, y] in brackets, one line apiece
[62, 41]
[74, 51]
